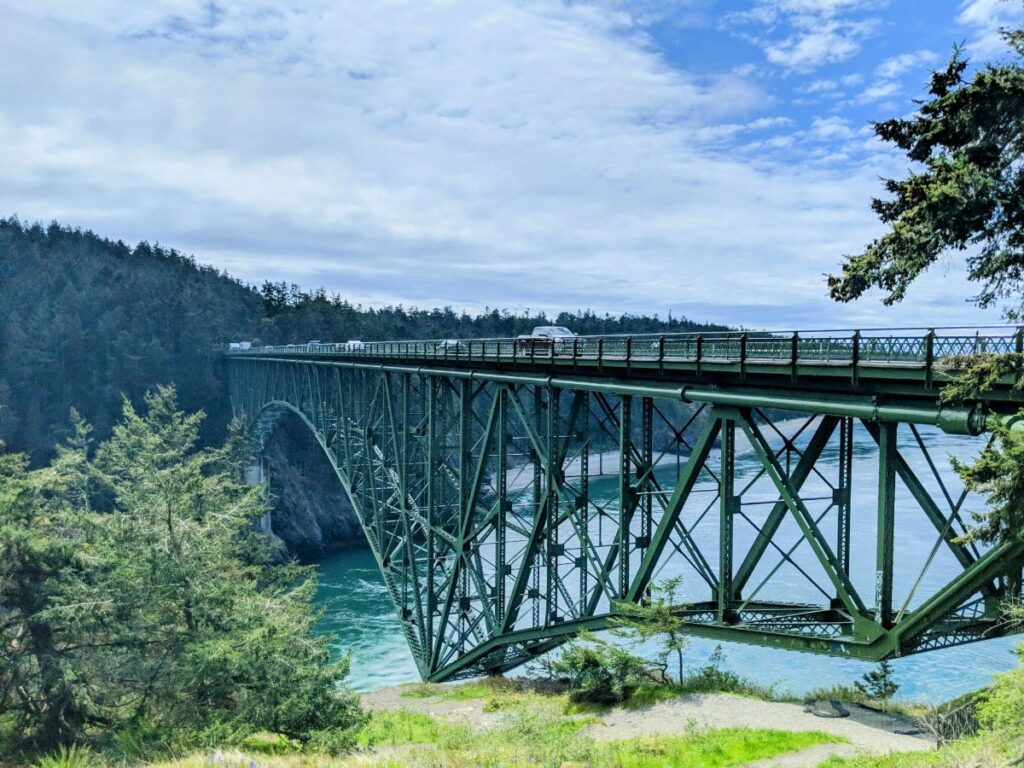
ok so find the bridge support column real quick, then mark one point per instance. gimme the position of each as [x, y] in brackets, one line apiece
[727, 503]
[887, 457]
[843, 493]
[627, 501]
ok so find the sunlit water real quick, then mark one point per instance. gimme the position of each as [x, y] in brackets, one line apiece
[359, 615]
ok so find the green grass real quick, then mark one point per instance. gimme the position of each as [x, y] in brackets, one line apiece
[529, 741]
[395, 727]
[474, 689]
[985, 750]
[894, 760]
[712, 749]
[502, 694]
[498, 694]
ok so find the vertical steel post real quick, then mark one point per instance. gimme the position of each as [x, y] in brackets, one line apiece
[431, 507]
[583, 499]
[726, 501]
[625, 490]
[647, 410]
[465, 503]
[551, 492]
[504, 507]
[843, 494]
[538, 501]
[886, 521]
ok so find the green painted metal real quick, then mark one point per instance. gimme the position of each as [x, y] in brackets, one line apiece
[512, 497]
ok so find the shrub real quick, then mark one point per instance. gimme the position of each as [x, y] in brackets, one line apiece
[599, 672]
[1002, 708]
[74, 756]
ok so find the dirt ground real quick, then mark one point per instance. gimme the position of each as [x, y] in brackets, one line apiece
[866, 731]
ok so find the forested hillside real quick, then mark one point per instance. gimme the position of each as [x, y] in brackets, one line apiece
[85, 320]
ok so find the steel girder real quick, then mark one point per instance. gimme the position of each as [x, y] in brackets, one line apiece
[507, 514]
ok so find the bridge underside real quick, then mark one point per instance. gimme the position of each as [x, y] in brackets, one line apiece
[508, 513]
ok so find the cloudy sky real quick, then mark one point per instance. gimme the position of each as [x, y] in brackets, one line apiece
[711, 158]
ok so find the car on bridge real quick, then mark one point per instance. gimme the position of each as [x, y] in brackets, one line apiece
[549, 338]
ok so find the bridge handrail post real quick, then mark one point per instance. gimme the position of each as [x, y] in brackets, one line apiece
[575, 349]
[700, 351]
[929, 356]
[1018, 347]
[794, 354]
[600, 353]
[661, 353]
[855, 359]
[743, 355]
[629, 351]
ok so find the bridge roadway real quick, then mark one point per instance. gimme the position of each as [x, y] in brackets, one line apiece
[515, 494]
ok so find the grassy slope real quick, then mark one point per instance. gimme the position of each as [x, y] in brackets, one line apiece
[533, 730]
[544, 729]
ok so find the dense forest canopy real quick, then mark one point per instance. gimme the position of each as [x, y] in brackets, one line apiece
[86, 321]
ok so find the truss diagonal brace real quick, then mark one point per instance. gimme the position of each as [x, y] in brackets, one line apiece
[694, 464]
[844, 588]
[964, 556]
[798, 477]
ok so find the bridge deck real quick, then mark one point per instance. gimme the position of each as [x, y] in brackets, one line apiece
[908, 364]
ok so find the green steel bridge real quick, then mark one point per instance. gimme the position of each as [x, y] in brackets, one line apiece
[516, 493]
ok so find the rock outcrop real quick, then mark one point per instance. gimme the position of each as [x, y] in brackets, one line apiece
[311, 513]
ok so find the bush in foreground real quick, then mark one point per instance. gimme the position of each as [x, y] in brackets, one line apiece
[139, 607]
[598, 672]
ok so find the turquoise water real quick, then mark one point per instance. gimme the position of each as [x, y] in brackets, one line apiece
[358, 612]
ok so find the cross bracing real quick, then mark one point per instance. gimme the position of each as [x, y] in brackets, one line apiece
[512, 504]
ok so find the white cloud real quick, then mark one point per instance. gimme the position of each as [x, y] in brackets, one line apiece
[897, 66]
[814, 32]
[889, 73]
[489, 153]
[829, 128]
[985, 19]
[879, 92]
[822, 86]
[819, 43]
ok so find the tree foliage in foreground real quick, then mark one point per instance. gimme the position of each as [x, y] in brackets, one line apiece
[968, 196]
[969, 138]
[135, 594]
[598, 671]
[658, 616]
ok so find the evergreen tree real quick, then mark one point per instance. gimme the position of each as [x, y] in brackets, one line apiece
[969, 196]
[659, 616]
[878, 684]
[44, 700]
[160, 610]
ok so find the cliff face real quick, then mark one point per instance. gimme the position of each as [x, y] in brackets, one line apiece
[311, 513]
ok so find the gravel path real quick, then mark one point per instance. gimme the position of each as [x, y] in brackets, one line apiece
[865, 730]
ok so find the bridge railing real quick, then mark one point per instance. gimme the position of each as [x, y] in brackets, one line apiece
[913, 348]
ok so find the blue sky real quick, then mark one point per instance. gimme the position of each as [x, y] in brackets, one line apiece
[712, 158]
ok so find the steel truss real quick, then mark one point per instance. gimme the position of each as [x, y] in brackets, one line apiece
[507, 514]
